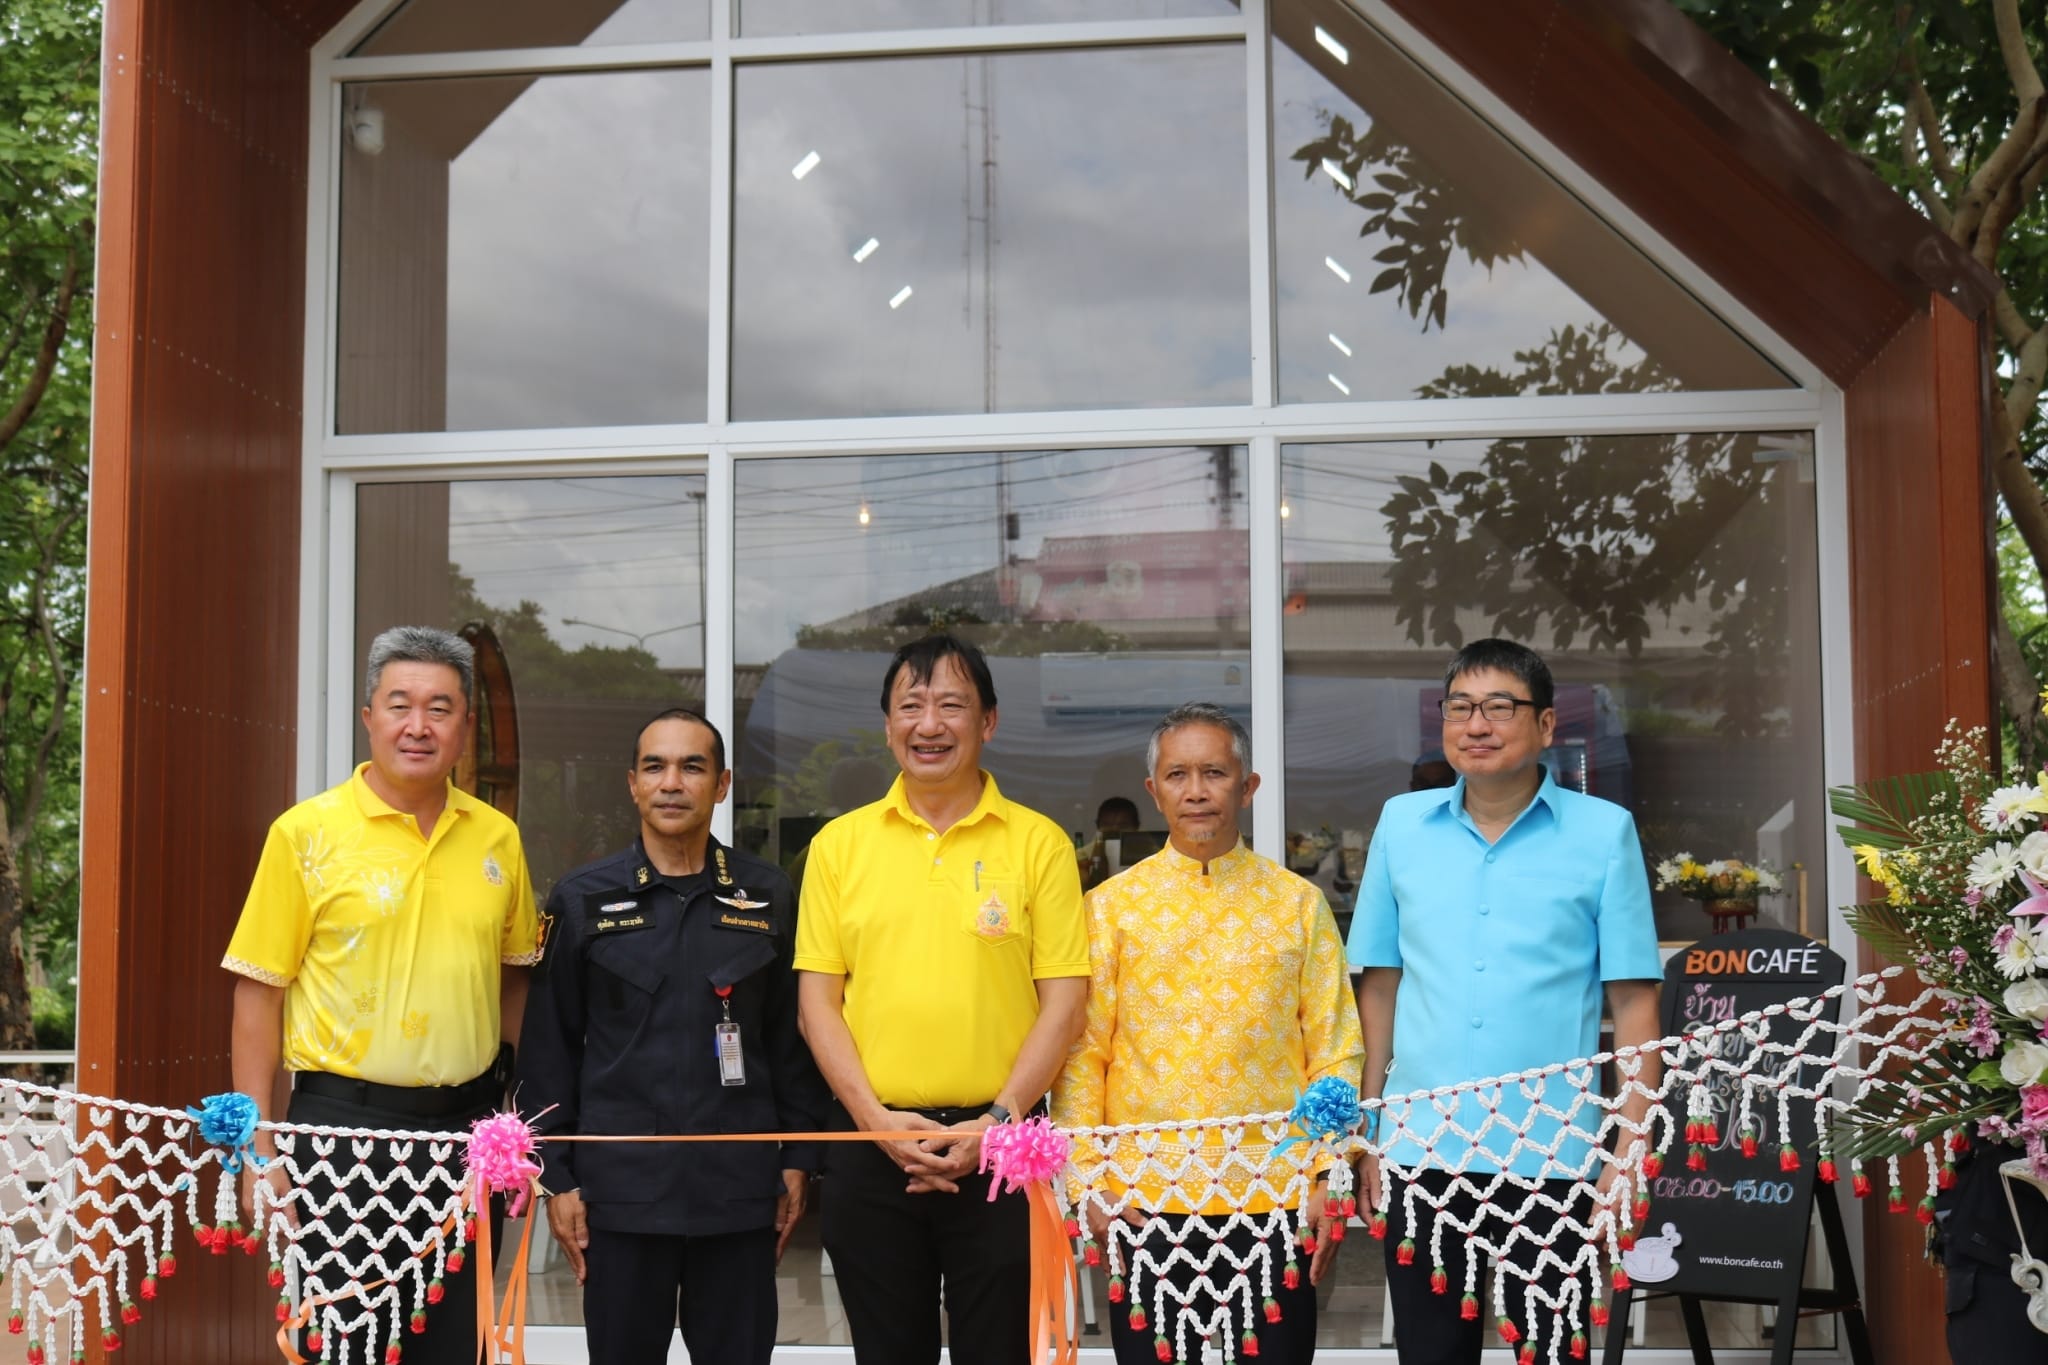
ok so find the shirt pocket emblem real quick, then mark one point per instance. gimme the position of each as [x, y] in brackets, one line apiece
[992, 917]
[493, 874]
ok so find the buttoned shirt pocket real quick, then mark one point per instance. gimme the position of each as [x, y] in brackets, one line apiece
[622, 975]
[738, 961]
[993, 910]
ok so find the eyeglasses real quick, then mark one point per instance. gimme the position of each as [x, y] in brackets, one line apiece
[1499, 710]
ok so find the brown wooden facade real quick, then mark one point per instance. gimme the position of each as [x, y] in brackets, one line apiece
[192, 699]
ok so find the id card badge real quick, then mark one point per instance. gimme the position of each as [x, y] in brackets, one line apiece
[732, 1066]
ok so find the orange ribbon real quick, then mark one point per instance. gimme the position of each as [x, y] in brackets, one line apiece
[1053, 1279]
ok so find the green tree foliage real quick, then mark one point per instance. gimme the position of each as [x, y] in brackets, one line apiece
[49, 132]
[1944, 99]
[1593, 541]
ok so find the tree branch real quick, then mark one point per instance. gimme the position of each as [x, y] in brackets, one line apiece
[1920, 110]
[60, 684]
[2013, 328]
[2019, 691]
[2006, 163]
[46, 358]
[2012, 45]
[2025, 500]
[2030, 369]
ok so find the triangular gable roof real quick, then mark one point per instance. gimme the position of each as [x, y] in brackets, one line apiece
[1717, 162]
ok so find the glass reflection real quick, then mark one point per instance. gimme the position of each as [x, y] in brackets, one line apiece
[1020, 232]
[1669, 581]
[594, 590]
[473, 25]
[1105, 585]
[523, 252]
[1418, 253]
[768, 18]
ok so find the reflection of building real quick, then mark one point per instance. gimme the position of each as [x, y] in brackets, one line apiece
[459, 247]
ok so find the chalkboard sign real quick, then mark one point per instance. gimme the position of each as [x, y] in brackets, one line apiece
[1736, 1230]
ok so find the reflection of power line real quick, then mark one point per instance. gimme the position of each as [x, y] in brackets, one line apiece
[639, 638]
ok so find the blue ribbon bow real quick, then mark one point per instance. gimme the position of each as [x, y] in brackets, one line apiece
[228, 1121]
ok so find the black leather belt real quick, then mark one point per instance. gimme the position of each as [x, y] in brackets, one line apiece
[414, 1101]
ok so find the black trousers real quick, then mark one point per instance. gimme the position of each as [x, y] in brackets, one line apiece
[897, 1256]
[450, 1335]
[721, 1289]
[1428, 1327]
[1290, 1341]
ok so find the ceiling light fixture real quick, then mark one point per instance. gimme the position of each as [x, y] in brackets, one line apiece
[1339, 271]
[901, 295]
[806, 166]
[1332, 46]
[867, 249]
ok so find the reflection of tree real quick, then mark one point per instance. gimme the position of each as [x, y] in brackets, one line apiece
[1008, 639]
[1422, 215]
[541, 667]
[1586, 539]
[569, 815]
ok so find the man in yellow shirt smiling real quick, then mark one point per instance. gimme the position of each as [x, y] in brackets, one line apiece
[381, 956]
[1219, 989]
[942, 969]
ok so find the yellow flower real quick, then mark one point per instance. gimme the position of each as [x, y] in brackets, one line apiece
[1871, 859]
[1749, 875]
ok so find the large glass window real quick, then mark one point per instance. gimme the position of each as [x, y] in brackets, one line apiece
[1105, 586]
[463, 25]
[1420, 254]
[1668, 580]
[523, 252]
[585, 599]
[1021, 232]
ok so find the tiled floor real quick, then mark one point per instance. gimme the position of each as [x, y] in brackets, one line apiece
[1349, 1304]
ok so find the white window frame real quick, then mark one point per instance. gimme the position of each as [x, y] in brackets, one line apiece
[335, 465]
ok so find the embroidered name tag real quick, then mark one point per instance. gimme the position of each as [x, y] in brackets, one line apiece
[608, 922]
[759, 926]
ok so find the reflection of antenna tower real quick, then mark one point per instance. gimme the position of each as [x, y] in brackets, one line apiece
[981, 113]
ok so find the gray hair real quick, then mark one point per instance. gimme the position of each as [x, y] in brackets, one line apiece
[1200, 713]
[420, 645]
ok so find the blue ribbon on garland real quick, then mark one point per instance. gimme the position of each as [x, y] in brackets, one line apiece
[1327, 1110]
[228, 1121]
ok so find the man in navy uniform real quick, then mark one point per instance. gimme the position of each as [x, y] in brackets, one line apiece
[665, 1003]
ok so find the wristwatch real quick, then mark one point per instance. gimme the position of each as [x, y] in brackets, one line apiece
[997, 1112]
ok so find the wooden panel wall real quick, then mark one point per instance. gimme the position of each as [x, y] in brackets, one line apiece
[1921, 598]
[193, 569]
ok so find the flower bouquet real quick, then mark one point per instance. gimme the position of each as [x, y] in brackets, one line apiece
[1724, 879]
[1962, 864]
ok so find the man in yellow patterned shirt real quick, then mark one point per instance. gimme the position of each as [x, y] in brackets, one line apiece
[382, 953]
[1219, 989]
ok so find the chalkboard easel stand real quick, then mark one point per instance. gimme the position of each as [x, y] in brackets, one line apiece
[1800, 1300]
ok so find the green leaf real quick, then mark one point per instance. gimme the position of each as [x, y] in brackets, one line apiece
[1987, 1073]
[1884, 811]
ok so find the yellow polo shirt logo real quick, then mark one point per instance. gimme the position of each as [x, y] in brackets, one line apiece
[992, 920]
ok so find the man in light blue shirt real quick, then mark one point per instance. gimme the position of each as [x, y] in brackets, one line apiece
[1492, 916]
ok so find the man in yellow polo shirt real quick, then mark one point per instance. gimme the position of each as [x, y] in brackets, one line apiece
[382, 953]
[943, 972]
[1219, 990]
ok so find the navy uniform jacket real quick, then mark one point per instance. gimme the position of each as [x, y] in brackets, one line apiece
[619, 1038]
